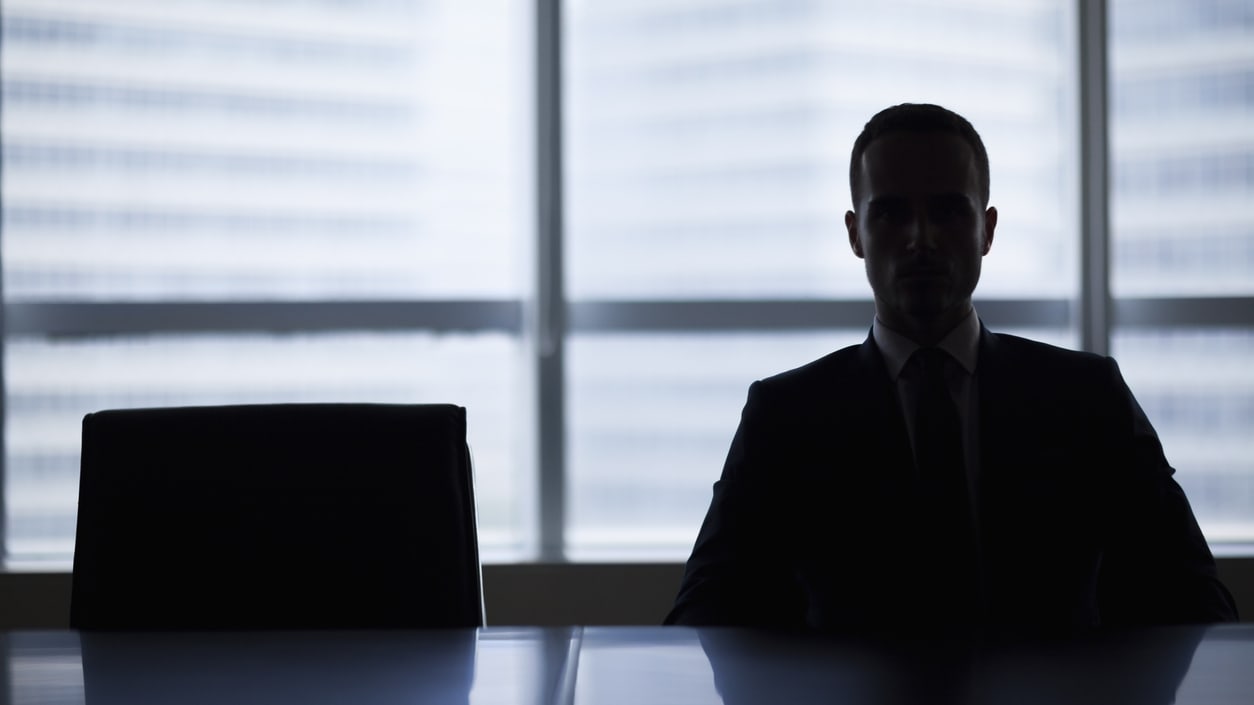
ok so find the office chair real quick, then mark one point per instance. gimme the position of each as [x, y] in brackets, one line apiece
[285, 516]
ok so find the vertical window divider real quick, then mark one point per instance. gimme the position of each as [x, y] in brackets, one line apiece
[550, 299]
[1095, 294]
[4, 392]
[4, 396]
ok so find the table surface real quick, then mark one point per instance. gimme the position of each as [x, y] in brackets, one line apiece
[637, 665]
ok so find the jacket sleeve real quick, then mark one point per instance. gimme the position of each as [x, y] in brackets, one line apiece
[739, 573]
[1157, 567]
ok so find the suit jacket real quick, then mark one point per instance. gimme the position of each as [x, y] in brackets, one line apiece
[819, 520]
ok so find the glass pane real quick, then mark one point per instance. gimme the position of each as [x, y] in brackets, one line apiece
[709, 142]
[52, 383]
[1182, 129]
[650, 418]
[1198, 389]
[215, 149]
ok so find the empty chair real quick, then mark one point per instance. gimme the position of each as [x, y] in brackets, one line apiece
[284, 516]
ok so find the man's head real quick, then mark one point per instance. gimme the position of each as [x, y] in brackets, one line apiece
[921, 221]
[918, 117]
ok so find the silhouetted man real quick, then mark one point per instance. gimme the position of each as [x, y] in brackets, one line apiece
[939, 475]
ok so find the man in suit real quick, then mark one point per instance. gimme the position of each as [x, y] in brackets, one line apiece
[939, 475]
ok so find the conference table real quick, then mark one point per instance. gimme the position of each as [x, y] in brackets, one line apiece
[637, 665]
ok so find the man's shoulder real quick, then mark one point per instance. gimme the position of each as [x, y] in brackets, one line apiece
[851, 360]
[1025, 352]
[862, 361]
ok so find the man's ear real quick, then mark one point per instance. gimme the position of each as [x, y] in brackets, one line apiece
[851, 225]
[990, 225]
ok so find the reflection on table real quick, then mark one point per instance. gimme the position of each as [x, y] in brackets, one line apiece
[637, 665]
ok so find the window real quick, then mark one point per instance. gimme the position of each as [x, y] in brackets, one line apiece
[317, 200]
[213, 202]
[1182, 237]
[708, 160]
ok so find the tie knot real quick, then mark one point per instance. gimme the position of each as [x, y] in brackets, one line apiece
[931, 362]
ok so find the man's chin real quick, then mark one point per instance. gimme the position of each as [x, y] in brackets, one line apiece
[925, 302]
[929, 309]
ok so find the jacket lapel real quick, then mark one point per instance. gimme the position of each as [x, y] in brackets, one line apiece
[1008, 416]
[882, 427]
[995, 388]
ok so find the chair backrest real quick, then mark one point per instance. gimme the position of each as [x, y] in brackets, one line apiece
[284, 516]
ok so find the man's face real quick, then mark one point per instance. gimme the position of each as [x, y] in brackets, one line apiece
[922, 228]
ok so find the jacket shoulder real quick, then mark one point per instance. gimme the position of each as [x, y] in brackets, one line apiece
[833, 366]
[1026, 346]
[1033, 354]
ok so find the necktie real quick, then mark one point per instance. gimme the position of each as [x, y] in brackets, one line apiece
[943, 479]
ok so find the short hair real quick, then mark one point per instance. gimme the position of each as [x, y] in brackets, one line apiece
[918, 117]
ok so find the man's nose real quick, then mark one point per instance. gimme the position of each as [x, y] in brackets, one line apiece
[922, 233]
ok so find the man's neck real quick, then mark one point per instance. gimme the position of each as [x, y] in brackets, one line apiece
[926, 332]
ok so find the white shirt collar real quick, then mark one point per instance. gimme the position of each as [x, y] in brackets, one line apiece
[963, 343]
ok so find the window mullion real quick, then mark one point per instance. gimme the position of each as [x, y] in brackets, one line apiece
[4, 398]
[1095, 296]
[549, 307]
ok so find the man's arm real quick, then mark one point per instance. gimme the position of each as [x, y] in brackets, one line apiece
[738, 574]
[1157, 568]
